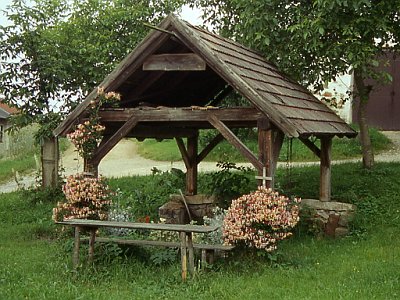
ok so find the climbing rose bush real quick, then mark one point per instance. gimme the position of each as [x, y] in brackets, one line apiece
[87, 136]
[260, 219]
[86, 198]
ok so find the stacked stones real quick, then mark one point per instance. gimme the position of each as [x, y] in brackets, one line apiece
[332, 217]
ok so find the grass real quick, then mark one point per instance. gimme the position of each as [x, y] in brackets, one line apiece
[24, 162]
[343, 148]
[35, 261]
[22, 165]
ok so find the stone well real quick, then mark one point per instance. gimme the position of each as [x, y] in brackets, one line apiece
[332, 217]
[175, 212]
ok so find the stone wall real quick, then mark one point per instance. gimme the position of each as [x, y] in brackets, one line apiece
[332, 218]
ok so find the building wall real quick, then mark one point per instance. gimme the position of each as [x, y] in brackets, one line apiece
[5, 142]
[383, 109]
[336, 95]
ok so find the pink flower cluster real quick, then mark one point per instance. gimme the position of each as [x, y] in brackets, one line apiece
[109, 96]
[260, 219]
[87, 137]
[87, 198]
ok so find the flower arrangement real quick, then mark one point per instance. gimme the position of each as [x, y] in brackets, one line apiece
[87, 198]
[260, 219]
[87, 135]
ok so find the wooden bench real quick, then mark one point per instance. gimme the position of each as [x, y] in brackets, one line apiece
[207, 250]
[185, 234]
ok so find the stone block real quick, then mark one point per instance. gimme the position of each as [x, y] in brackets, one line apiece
[174, 213]
[341, 232]
[332, 224]
[328, 206]
[345, 218]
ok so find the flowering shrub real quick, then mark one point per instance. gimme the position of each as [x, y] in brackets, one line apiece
[87, 136]
[260, 219]
[87, 198]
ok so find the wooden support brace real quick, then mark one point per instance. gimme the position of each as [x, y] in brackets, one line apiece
[310, 145]
[118, 135]
[235, 141]
[182, 149]
[213, 143]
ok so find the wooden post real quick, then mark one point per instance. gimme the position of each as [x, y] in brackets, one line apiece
[191, 174]
[90, 167]
[265, 150]
[91, 244]
[50, 156]
[325, 169]
[77, 244]
[182, 236]
[190, 253]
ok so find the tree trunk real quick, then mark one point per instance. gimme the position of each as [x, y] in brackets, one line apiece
[363, 96]
[50, 154]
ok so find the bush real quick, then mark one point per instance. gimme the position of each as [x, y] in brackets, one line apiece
[260, 219]
[230, 182]
[87, 198]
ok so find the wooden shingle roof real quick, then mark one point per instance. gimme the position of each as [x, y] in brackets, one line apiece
[288, 105]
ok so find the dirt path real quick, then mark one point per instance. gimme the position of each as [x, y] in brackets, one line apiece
[123, 161]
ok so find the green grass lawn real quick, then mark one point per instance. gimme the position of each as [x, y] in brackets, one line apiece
[342, 148]
[35, 261]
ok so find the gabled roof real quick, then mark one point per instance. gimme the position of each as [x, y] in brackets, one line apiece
[6, 111]
[284, 102]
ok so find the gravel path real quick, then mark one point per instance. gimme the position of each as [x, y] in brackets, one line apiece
[123, 161]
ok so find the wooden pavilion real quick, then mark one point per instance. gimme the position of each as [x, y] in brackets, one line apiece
[172, 84]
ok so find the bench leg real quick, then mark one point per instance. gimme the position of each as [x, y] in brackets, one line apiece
[77, 242]
[91, 245]
[190, 252]
[182, 236]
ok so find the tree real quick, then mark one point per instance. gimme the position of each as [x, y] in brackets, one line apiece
[314, 41]
[55, 51]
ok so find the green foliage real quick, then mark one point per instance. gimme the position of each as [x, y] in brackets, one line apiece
[43, 195]
[164, 256]
[229, 183]
[143, 195]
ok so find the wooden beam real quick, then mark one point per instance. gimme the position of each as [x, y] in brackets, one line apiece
[117, 136]
[310, 145]
[211, 145]
[183, 151]
[174, 62]
[166, 114]
[235, 141]
[325, 169]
